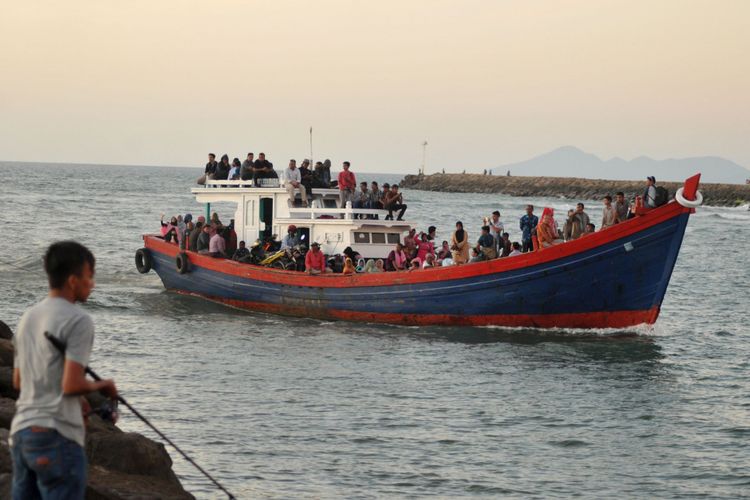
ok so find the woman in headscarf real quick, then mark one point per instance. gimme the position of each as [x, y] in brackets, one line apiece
[397, 259]
[460, 244]
[371, 267]
[348, 266]
[546, 230]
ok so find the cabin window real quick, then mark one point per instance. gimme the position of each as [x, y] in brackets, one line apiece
[378, 238]
[361, 237]
[394, 238]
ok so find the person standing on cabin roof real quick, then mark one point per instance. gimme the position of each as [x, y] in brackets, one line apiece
[621, 207]
[246, 171]
[47, 434]
[292, 181]
[347, 185]
[609, 214]
[649, 195]
[528, 228]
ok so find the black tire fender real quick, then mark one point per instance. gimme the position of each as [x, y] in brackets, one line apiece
[182, 262]
[143, 260]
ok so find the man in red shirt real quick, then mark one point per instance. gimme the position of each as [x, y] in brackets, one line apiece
[347, 185]
[315, 260]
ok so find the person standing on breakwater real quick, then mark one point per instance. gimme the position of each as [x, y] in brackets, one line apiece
[528, 228]
[47, 432]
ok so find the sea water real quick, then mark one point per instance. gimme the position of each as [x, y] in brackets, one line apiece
[287, 407]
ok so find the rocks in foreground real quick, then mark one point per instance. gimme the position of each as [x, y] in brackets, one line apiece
[726, 195]
[122, 465]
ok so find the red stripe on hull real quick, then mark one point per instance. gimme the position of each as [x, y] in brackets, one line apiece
[615, 319]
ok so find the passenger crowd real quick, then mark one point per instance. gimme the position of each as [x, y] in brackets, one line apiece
[304, 178]
[416, 250]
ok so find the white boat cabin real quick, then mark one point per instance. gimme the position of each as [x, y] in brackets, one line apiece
[265, 211]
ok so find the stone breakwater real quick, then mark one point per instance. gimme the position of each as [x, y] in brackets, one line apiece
[122, 465]
[725, 195]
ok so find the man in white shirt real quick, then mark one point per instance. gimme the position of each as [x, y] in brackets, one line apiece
[293, 180]
[496, 229]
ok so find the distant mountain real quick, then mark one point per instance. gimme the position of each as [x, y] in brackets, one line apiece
[569, 161]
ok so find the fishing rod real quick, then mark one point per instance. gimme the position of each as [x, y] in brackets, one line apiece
[61, 347]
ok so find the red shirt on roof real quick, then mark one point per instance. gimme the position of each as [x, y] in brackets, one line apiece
[347, 180]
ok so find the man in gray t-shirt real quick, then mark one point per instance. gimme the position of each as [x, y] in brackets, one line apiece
[47, 432]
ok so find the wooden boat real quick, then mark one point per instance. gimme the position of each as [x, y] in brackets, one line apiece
[613, 278]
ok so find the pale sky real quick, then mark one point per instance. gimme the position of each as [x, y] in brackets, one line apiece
[163, 82]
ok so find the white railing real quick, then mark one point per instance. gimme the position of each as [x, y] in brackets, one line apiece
[262, 183]
[336, 213]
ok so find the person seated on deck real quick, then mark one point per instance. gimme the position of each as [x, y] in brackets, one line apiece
[486, 244]
[241, 253]
[505, 245]
[292, 181]
[424, 247]
[290, 239]
[396, 260]
[545, 230]
[204, 240]
[348, 267]
[230, 238]
[169, 229]
[349, 252]
[394, 201]
[372, 267]
[234, 172]
[361, 199]
[590, 228]
[246, 171]
[217, 246]
[222, 169]
[444, 252]
[263, 169]
[315, 261]
[429, 261]
[476, 256]
[516, 249]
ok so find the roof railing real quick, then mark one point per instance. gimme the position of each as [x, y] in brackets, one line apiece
[336, 213]
[262, 183]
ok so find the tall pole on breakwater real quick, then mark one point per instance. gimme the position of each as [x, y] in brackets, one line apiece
[424, 157]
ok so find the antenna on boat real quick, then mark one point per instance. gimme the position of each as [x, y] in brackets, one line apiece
[311, 152]
[424, 156]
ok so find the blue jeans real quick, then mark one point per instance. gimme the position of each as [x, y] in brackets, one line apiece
[47, 465]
